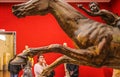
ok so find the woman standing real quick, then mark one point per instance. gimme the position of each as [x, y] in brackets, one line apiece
[40, 65]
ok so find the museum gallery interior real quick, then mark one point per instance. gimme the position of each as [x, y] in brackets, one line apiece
[42, 30]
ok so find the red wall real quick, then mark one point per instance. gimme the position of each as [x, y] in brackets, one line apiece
[115, 6]
[36, 31]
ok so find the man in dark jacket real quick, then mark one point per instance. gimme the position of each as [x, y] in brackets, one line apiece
[14, 69]
[52, 74]
[73, 70]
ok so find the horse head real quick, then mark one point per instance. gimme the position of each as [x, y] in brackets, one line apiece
[32, 7]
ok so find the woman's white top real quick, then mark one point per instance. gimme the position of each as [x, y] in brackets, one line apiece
[38, 69]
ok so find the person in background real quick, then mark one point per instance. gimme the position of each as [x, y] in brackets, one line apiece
[40, 65]
[109, 17]
[14, 69]
[27, 70]
[73, 70]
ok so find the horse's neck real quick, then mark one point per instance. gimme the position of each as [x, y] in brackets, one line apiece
[65, 14]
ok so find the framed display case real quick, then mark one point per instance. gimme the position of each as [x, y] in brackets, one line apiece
[7, 48]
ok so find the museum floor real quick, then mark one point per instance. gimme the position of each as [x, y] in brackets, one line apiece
[4, 74]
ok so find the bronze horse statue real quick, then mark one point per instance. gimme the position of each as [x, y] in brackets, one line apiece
[97, 44]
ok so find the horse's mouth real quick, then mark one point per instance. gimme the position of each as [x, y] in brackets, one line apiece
[19, 14]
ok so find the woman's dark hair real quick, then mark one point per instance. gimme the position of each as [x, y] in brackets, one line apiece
[38, 56]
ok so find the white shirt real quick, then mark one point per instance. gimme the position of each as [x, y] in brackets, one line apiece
[38, 69]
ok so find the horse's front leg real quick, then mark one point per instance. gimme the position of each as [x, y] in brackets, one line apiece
[53, 65]
[60, 60]
[76, 54]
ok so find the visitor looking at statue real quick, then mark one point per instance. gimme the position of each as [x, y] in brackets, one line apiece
[13, 69]
[40, 65]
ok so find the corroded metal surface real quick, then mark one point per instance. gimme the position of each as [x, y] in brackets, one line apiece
[97, 44]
